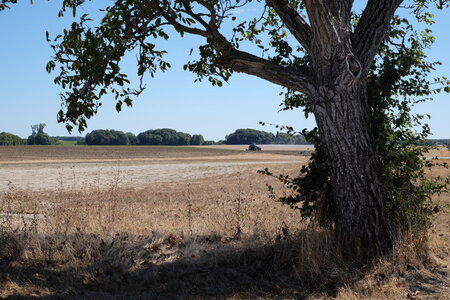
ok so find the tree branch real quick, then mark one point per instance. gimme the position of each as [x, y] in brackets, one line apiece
[180, 27]
[293, 21]
[372, 28]
[243, 62]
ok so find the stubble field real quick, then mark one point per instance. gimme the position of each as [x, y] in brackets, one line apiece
[181, 223]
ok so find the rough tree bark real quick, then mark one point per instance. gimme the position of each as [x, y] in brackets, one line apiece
[340, 105]
[342, 117]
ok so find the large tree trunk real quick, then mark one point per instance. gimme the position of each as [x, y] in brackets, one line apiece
[342, 116]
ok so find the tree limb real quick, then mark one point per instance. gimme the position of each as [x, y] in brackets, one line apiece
[372, 28]
[180, 27]
[243, 62]
[293, 21]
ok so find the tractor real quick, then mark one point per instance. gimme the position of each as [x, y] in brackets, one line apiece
[253, 147]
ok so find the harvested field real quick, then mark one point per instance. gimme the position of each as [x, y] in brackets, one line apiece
[40, 168]
[10, 154]
[14, 154]
[184, 223]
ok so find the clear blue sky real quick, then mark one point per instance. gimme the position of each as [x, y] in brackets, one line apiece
[28, 95]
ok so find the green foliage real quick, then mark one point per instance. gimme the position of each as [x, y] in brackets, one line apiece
[67, 143]
[87, 55]
[39, 137]
[107, 137]
[132, 138]
[197, 139]
[91, 57]
[70, 138]
[206, 143]
[248, 136]
[399, 79]
[9, 139]
[183, 138]
[436, 142]
[146, 138]
[164, 136]
[289, 138]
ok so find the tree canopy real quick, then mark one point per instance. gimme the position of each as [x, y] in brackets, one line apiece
[106, 137]
[248, 136]
[9, 139]
[39, 137]
[164, 136]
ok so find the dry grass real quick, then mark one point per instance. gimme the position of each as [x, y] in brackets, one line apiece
[216, 238]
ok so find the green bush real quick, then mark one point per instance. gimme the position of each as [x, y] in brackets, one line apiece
[132, 139]
[39, 137]
[163, 136]
[9, 139]
[106, 137]
[248, 136]
[197, 139]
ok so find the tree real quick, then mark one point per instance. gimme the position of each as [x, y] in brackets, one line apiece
[147, 138]
[107, 137]
[197, 139]
[248, 136]
[164, 136]
[133, 140]
[9, 139]
[329, 64]
[183, 138]
[289, 138]
[39, 137]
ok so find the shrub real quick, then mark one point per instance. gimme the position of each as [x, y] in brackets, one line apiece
[132, 139]
[248, 136]
[107, 137]
[164, 136]
[197, 139]
[9, 139]
[39, 137]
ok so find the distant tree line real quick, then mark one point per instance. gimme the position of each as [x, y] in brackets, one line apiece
[437, 142]
[163, 136]
[78, 139]
[248, 136]
[37, 137]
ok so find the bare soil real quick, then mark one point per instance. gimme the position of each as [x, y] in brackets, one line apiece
[186, 223]
[40, 168]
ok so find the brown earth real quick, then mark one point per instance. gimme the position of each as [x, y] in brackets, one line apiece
[40, 168]
[179, 223]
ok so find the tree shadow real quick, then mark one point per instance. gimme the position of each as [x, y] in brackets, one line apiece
[156, 267]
